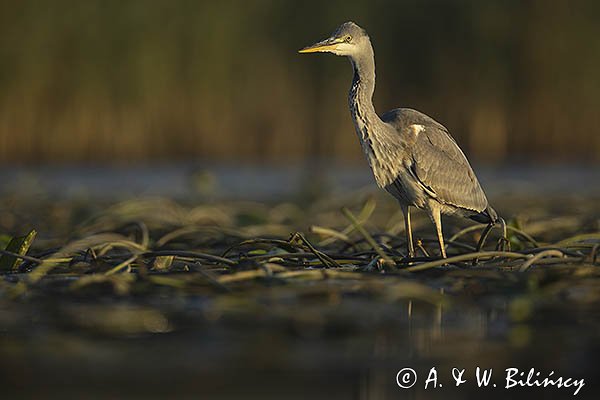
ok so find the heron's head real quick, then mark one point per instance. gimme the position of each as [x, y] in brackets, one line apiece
[347, 40]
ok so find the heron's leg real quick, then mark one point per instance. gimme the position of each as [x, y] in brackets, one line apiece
[436, 216]
[408, 229]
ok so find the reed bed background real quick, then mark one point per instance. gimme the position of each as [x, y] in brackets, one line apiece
[127, 81]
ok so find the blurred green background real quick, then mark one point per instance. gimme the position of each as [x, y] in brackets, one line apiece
[220, 81]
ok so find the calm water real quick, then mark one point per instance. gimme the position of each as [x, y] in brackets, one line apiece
[260, 183]
[323, 340]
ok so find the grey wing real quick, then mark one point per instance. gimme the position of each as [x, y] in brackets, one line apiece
[436, 161]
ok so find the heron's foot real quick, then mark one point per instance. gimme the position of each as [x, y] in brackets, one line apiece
[410, 251]
[443, 252]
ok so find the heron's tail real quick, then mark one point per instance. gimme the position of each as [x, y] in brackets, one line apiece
[487, 216]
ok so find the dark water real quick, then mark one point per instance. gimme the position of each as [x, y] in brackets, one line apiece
[318, 340]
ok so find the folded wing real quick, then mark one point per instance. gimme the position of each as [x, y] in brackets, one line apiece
[436, 161]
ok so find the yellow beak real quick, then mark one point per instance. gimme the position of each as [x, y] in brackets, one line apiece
[325, 45]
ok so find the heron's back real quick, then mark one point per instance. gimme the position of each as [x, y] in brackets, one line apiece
[435, 163]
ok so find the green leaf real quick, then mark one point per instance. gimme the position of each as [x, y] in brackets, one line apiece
[257, 252]
[18, 245]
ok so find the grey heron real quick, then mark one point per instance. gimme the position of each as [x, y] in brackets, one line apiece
[412, 156]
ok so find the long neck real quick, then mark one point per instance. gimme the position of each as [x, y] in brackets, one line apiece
[364, 77]
[361, 94]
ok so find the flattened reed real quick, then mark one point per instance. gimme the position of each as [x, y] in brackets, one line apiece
[139, 245]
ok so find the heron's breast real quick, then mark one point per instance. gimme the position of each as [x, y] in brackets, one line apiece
[385, 156]
[386, 159]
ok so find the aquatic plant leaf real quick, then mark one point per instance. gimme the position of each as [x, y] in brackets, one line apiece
[163, 263]
[18, 245]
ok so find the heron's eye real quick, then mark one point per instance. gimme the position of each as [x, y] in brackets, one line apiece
[348, 39]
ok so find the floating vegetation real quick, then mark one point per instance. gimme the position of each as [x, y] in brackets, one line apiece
[212, 247]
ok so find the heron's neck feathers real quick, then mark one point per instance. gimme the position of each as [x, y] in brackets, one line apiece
[364, 74]
[361, 94]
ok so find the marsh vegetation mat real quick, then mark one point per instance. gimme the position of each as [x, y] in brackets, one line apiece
[287, 297]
